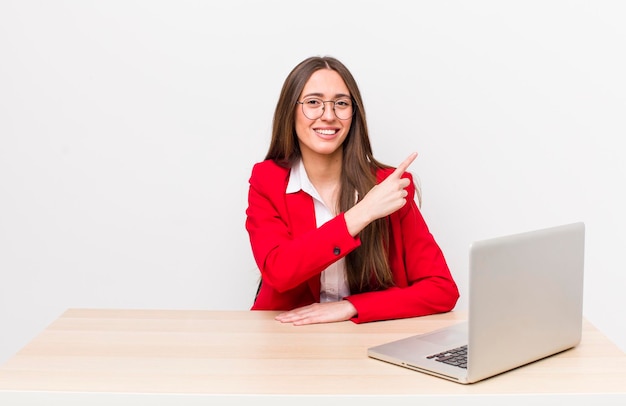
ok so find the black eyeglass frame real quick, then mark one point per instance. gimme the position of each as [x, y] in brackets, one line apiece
[334, 102]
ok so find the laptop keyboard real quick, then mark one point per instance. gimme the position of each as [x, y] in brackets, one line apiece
[456, 356]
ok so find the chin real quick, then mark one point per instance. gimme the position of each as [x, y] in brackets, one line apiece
[327, 150]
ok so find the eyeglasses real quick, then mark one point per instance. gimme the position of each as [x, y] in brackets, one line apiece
[313, 107]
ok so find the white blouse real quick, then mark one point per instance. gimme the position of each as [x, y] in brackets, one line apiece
[333, 279]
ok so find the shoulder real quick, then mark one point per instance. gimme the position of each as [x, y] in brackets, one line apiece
[268, 173]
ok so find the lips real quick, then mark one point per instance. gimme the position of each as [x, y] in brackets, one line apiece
[326, 133]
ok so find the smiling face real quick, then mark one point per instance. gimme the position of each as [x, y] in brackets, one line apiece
[322, 137]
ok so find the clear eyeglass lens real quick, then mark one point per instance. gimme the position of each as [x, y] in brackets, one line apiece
[313, 108]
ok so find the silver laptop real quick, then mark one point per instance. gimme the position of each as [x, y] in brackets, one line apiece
[525, 303]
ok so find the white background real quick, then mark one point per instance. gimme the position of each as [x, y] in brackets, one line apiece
[128, 130]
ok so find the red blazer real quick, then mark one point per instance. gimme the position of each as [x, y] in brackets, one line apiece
[291, 252]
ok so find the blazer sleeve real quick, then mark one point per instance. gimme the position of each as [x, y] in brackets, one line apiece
[423, 282]
[286, 244]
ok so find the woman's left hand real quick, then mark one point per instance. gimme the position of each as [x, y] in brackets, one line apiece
[319, 313]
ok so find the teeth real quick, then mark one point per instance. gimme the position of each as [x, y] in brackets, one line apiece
[326, 132]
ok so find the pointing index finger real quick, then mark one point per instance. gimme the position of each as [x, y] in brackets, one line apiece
[405, 164]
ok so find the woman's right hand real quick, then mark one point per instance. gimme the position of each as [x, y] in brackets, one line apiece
[382, 200]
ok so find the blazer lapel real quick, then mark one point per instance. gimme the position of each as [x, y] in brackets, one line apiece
[301, 213]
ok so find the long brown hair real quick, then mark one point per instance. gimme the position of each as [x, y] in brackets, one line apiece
[367, 267]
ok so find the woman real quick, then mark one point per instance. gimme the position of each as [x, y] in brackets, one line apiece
[336, 234]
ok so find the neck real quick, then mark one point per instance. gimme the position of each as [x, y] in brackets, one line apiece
[323, 170]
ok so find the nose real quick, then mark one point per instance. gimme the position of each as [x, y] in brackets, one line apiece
[328, 114]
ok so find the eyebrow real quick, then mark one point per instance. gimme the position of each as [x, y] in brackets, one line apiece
[320, 95]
